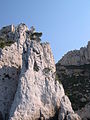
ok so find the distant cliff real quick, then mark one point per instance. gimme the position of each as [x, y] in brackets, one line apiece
[29, 86]
[77, 57]
[74, 71]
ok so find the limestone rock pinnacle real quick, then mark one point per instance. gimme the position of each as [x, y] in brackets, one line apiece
[29, 89]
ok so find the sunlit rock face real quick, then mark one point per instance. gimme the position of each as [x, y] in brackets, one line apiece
[66, 112]
[77, 57]
[38, 93]
[10, 65]
[29, 89]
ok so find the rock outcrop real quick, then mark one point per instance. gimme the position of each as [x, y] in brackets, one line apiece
[37, 92]
[10, 65]
[29, 89]
[66, 112]
[74, 71]
[77, 57]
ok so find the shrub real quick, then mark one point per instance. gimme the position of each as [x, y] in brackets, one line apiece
[4, 43]
[57, 78]
[47, 70]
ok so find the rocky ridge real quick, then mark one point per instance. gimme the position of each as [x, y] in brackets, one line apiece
[29, 89]
[77, 57]
[74, 71]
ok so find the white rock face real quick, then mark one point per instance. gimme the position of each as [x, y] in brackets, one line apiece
[9, 75]
[73, 116]
[10, 64]
[77, 57]
[38, 92]
[66, 112]
[34, 93]
[20, 36]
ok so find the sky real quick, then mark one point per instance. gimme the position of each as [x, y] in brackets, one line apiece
[65, 24]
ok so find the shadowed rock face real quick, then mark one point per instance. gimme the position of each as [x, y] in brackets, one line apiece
[74, 71]
[29, 89]
[8, 80]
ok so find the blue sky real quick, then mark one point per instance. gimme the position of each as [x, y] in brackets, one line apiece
[65, 23]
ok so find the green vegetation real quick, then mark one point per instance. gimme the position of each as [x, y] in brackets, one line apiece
[85, 66]
[76, 83]
[75, 88]
[57, 78]
[4, 43]
[47, 70]
[35, 36]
